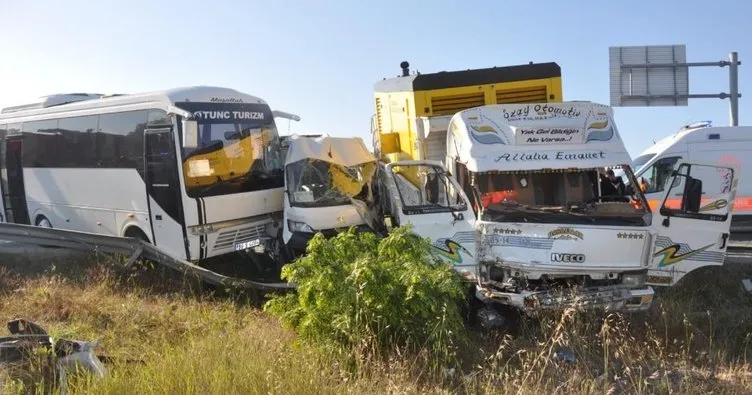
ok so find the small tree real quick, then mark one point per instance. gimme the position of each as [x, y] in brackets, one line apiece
[374, 295]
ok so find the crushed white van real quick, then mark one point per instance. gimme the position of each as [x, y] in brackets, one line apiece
[327, 187]
[531, 211]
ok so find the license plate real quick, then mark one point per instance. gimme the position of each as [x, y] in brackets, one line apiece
[247, 244]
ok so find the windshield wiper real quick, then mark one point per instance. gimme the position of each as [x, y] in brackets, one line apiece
[533, 212]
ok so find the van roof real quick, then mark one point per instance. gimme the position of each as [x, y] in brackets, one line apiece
[573, 134]
[699, 134]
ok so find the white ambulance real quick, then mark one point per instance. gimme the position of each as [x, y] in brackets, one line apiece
[724, 146]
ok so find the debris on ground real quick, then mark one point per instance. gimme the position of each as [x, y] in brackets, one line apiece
[60, 357]
[565, 354]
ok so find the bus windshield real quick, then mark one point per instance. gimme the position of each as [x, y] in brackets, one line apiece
[238, 150]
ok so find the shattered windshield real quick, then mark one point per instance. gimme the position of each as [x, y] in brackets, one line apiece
[317, 183]
[572, 196]
[426, 188]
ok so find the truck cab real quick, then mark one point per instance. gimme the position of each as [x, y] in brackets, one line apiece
[531, 208]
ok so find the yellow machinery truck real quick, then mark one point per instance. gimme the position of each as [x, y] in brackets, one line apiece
[412, 110]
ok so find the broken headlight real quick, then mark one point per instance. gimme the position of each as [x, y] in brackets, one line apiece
[633, 279]
[296, 226]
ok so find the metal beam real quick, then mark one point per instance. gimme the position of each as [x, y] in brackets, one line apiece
[91, 242]
[721, 63]
[693, 96]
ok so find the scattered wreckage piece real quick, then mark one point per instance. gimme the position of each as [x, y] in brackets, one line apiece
[63, 356]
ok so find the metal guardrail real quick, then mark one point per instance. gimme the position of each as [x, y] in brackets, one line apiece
[92, 242]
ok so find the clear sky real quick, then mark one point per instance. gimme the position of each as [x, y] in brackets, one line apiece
[320, 59]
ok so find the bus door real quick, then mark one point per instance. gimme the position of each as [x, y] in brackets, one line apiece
[163, 191]
[12, 183]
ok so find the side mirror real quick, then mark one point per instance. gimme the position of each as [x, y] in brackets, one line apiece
[285, 115]
[190, 134]
[692, 195]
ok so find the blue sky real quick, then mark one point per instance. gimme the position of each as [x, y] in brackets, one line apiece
[320, 59]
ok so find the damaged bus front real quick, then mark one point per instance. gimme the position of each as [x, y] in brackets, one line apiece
[327, 187]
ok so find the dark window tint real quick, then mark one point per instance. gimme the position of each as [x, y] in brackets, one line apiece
[41, 139]
[9, 131]
[14, 128]
[162, 175]
[78, 142]
[120, 140]
[3, 133]
[159, 118]
[114, 140]
[13, 184]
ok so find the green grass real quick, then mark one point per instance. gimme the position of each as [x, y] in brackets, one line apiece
[696, 340]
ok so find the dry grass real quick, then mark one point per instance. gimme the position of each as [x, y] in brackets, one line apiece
[695, 341]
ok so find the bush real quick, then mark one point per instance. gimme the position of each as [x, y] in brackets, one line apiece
[374, 296]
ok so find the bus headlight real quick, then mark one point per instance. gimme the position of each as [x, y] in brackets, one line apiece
[296, 226]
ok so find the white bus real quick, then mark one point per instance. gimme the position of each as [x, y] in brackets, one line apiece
[196, 171]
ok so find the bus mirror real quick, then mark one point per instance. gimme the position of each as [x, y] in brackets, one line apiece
[190, 134]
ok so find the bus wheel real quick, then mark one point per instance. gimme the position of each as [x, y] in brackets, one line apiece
[136, 233]
[43, 222]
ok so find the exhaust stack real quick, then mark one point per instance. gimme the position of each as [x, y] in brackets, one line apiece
[405, 68]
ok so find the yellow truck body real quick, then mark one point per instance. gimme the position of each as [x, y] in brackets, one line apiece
[402, 102]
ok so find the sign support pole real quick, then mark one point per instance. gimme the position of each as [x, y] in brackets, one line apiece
[734, 89]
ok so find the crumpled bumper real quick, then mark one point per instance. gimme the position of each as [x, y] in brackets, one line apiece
[610, 298]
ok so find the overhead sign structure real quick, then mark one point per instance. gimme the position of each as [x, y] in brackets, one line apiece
[643, 86]
[658, 75]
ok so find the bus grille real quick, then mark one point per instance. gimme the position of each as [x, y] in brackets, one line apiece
[229, 238]
[448, 105]
[533, 94]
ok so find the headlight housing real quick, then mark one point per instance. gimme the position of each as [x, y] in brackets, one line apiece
[296, 226]
[634, 279]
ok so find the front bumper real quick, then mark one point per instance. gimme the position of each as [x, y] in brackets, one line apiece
[609, 298]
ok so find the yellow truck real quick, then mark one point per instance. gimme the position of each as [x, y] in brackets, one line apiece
[413, 110]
